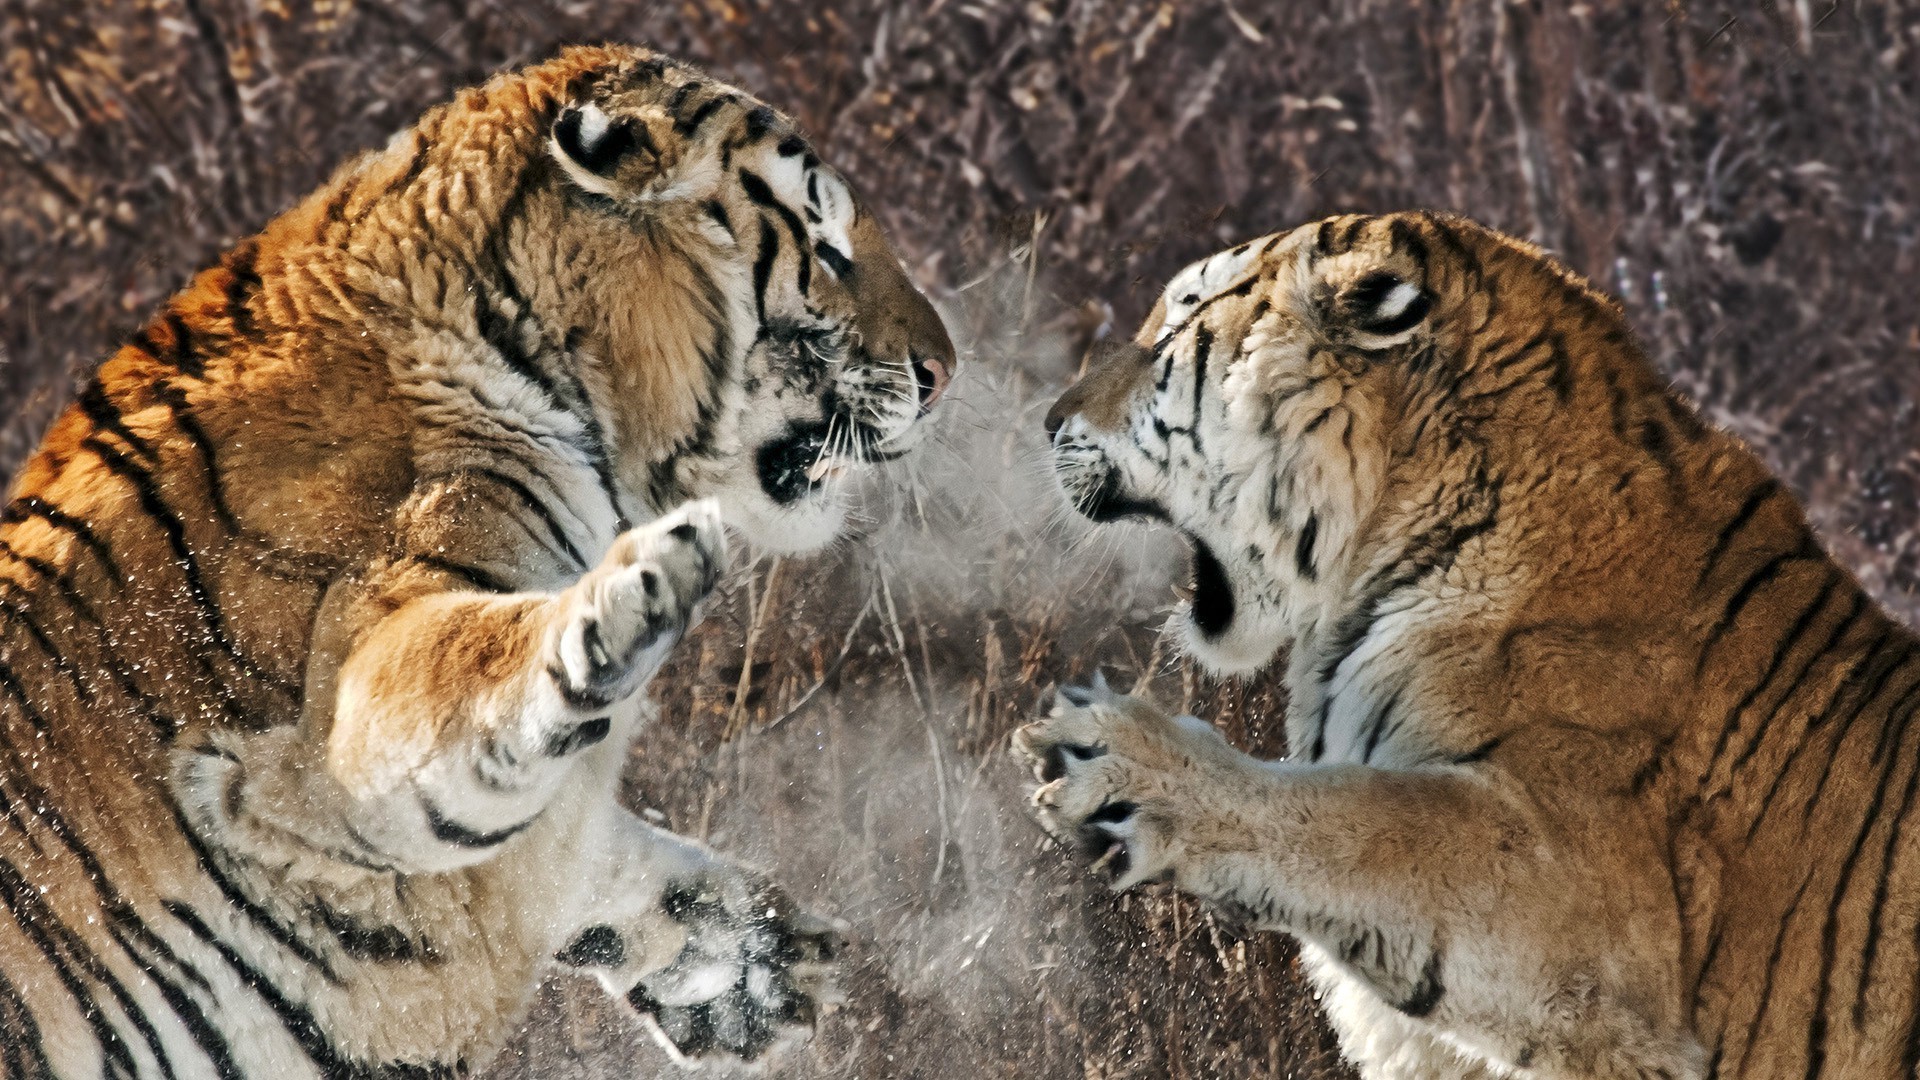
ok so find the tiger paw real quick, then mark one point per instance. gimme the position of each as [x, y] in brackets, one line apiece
[754, 975]
[1116, 773]
[626, 613]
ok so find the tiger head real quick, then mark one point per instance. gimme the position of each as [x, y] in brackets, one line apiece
[1302, 404]
[721, 290]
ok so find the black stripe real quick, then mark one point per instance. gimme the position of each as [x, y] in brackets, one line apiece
[385, 944]
[1432, 550]
[69, 960]
[243, 283]
[1303, 547]
[32, 506]
[23, 1051]
[1902, 714]
[1898, 658]
[164, 725]
[1755, 500]
[1784, 646]
[1323, 238]
[681, 93]
[762, 195]
[539, 508]
[186, 421]
[297, 1020]
[448, 831]
[1480, 753]
[686, 126]
[1202, 348]
[1773, 964]
[1819, 718]
[717, 358]
[1406, 239]
[119, 912]
[205, 1034]
[763, 266]
[1737, 602]
[185, 355]
[473, 576]
[176, 532]
[596, 440]
[501, 333]
[759, 121]
[106, 416]
[1830, 931]
[121, 921]
[835, 261]
[1377, 723]
[1427, 992]
[1352, 236]
[55, 655]
[259, 917]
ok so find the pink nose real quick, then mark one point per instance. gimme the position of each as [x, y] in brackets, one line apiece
[932, 375]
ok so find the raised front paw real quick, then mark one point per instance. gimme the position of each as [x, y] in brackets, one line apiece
[1116, 775]
[628, 612]
[755, 974]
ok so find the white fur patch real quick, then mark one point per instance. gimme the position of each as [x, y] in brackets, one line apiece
[1397, 301]
[594, 123]
[811, 193]
[1206, 279]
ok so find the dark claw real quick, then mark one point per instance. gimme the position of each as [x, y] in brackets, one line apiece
[579, 737]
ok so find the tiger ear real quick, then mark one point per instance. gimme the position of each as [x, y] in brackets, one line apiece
[617, 157]
[1382, 305]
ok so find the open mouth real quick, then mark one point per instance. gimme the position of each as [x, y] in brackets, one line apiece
[1108, 502]
[801, 462]
[1211, 604]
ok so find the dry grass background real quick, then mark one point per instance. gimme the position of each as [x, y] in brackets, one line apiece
[1746, 176]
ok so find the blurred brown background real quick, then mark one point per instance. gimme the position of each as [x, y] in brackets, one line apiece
[1745, 176]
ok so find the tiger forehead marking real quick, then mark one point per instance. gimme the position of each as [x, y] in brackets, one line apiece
[1579, 709]
[328, 610]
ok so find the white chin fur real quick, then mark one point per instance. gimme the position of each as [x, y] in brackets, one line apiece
[1241, 650]
[794, 529]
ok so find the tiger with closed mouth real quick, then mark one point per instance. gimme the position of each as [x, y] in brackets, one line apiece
[1600, 766]
[326, 612]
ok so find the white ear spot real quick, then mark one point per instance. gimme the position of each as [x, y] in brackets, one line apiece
[1385, 306]
[583, 143]
[594, 123]
[1395, 303]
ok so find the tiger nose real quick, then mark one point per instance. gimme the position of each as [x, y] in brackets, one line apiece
[932, 376]
[1056, 417]
[1065, 406]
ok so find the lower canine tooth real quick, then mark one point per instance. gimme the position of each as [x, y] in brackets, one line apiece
[817, 470]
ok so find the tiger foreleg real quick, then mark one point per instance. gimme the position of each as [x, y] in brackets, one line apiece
[716, 959]
[1473, 927]
[458, 715]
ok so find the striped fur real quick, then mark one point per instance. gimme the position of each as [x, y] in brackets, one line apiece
[1601, 766]
[326, 610]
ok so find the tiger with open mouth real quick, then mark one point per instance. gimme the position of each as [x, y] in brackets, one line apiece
[1600, 765]
[326, 612]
